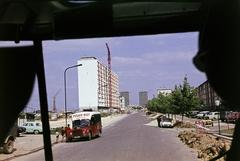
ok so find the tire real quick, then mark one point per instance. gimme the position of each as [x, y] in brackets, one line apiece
[89, 136]
[8, 147]
[68, 139]
[100, 133]
[36, 132]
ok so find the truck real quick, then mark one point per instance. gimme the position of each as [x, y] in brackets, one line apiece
[86, 124]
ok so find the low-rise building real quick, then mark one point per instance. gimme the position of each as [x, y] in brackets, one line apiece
[207, 94]
[164, 91]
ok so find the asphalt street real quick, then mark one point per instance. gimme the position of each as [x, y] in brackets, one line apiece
[129, 139]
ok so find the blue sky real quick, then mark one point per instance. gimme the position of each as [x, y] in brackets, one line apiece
[141, 62]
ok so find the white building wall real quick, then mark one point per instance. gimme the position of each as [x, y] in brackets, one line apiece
[164, 91]
[93, 85]
[88, 84]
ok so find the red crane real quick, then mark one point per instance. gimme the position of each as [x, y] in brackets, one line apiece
[54, 100]
[109, 76]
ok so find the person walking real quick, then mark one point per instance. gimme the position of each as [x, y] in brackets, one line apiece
[63, 133]
[57, 136]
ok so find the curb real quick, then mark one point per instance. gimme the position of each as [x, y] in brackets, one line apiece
[30, 152]
[223, 137]
[217, 135]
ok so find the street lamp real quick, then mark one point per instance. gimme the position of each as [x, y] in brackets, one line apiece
[65, 89]
[217, 103]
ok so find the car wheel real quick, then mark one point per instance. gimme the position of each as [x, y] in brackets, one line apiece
[36, 132]
[68, 139]
[89, 136]
[100, 133]
[8, 147]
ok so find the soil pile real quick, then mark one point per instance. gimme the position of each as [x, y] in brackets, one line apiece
[208, 146]
[180, 124]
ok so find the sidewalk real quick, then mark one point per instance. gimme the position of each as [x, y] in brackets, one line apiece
[29, 143]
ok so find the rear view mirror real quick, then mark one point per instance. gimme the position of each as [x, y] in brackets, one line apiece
[17, 73]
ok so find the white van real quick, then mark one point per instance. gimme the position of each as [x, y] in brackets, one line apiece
[212, 115]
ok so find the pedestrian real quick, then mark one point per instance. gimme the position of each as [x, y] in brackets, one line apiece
[67, 130]
[57, 136]
[62, 133]
[159, 118]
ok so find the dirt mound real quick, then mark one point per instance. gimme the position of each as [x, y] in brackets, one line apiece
[208, 146]
[180, 124]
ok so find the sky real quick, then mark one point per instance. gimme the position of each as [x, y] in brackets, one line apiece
[143, 63]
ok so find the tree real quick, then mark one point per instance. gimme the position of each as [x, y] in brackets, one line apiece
[184, 98]
[164, 103]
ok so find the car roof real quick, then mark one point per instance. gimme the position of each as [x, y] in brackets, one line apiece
[111, 18]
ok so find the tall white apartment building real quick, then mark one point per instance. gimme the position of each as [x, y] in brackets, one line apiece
[94, 89]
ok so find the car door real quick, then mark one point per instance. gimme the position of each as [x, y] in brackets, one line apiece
[31, 127]
[27, 127]
[38, 127]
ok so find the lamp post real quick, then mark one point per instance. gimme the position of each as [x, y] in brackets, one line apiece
[65, 89]
[217, 103]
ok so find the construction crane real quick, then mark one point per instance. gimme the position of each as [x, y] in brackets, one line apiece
[109, 76]
[54, 100]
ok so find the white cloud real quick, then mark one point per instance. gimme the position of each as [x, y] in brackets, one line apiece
[118, 60]
[151, 58]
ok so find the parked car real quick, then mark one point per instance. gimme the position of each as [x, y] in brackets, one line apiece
[159, 119]
[33, 127]
[207, 123]
[8, 145]
[232, 116]
[166, 122]
[201, 114]
[211, 116]
[193, 114]
[223, 115]
[20, 130]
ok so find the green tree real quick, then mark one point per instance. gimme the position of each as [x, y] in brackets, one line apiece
[152, 105]
[164, 103]
[184, 98]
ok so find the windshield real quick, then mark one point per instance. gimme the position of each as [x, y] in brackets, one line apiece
[80, 123]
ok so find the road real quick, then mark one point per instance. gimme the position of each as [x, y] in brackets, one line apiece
[127, 140]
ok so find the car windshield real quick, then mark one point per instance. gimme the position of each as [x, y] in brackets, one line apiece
[129, 80]
[167, 120]
[81, 123]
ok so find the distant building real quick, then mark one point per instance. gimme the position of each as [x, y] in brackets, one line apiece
[143, 98]
[122, 102]
[206, 93]
[94, 85]
[164, 91]
[125, 94]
